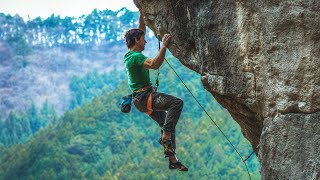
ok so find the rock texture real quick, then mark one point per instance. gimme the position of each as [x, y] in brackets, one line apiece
[260, 60]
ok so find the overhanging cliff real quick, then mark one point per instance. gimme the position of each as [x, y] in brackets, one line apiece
[260, 60]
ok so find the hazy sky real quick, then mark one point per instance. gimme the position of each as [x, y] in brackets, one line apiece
[45, 8]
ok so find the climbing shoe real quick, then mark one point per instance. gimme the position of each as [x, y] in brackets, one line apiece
[177, 165]
[167, 147]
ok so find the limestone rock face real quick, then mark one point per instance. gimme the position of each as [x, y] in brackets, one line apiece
[260, 60]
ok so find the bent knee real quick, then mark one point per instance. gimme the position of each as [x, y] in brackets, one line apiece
[179, 102]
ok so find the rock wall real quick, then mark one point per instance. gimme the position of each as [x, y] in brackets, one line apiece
[260, 60]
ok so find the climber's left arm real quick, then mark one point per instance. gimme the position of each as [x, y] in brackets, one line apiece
[142, 25]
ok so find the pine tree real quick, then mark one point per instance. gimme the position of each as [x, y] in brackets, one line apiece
[33, 118]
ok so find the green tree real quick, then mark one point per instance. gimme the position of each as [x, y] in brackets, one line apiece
[19, 44]
[34, 118]
[26, 131]
[2, 136]
[11, 128]
[69, 28]
[47, 114]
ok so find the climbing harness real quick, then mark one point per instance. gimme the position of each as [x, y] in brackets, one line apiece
[148, 92]
[236, 150]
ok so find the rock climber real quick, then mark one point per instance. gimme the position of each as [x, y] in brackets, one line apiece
[163, 108]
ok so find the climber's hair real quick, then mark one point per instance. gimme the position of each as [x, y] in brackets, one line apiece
[132, 35]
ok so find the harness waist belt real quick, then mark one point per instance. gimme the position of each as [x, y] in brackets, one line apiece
[149, 101]
[143, 89]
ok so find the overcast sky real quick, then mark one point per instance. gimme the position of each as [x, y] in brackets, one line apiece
[75, 8]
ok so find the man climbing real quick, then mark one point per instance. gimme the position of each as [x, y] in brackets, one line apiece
[163, 108]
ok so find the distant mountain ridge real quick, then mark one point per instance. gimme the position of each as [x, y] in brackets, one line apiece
[98, 28]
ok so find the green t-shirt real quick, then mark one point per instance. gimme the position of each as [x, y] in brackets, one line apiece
[138, 76]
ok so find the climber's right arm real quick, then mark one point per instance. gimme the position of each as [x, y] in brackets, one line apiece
[158, 60]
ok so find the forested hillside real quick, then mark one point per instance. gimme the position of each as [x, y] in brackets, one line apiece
[68, 77]
[96, 140]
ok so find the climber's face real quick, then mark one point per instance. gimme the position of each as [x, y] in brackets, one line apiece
[141, 43]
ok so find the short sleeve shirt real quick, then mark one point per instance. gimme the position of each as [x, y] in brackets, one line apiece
[138, 76]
